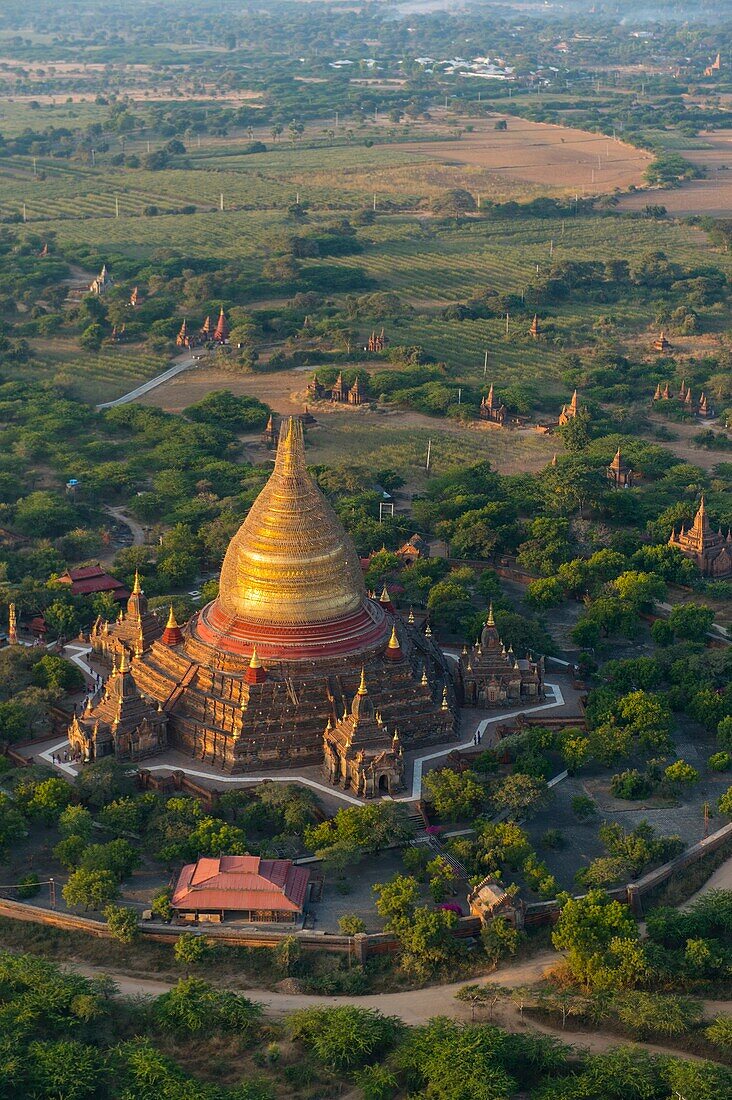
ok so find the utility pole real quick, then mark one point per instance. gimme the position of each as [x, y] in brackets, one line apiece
[116, 206]
[148, 146]
[485, 364]
[24, 217]
[34, 168]
[429, 456]
[221, 201]
[374, 202]
[94, 158]
[706, 820]
[551, 248]
[460, 395]
[507, 323]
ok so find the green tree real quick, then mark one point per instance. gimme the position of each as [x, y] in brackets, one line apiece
[691, 621]
[76, 821]
[190, 950]
[657, 1014]
[680, 774]
[345, 1037]
[65, 1068]
[719, 1032]
[456, 796]
[350, 924]
[520, 794]
[593, 931]
[287, 954]
[90, 889]
[12, 825]
[122, 923]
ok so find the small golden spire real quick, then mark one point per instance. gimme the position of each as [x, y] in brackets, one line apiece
[410, 618]
[171, 623]
[490, 621]
[444, 705]
[362, 690]
[393, 641]
[124, 665]
[385, 597]
[136, 588]
[424, 681]
[428, 631]
[254, 661]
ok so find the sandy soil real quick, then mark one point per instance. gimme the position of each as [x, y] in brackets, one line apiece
[370, 428]
[711, 196]
[539, 153]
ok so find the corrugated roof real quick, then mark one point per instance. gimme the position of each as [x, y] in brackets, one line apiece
[241, 883]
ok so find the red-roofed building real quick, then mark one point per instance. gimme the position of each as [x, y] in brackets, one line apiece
[246, 888]
[91, 579]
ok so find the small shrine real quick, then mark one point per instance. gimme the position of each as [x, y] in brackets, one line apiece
[685, 400]
[619, 473]
[535, 328]
[376, 342]
[491, 675]
[221, 332]
[661, 343]
[119, 722]
[711, 550]
[134, 631]
[269, 435]
[103, 282]
[490, 900]
[491, 408]
[570, 411]
[359, 752]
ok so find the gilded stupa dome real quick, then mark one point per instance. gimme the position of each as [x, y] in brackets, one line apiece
[291, 561]
[291, 581]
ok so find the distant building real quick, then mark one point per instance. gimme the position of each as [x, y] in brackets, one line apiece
[490, 900]
[619, 473]
[702, 408]
[376, 341]
[491, 408]
[413, 549]
[90, 579]
[103, 282]
[491, 675]
[570, 411]
[134, 631]
[712, 551]
[661, 343]
[119, 722]
[243, 888]
[359, 753]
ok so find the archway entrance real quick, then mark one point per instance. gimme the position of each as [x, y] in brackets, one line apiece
[384, 783]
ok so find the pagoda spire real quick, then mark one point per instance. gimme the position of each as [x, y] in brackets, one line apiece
[256, 673]
[137, 587]
[394, 649]
[362, 689]
[490, 621]
[291, 448]
[172, 635]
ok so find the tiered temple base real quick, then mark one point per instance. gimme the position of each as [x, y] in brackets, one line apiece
[214, 715]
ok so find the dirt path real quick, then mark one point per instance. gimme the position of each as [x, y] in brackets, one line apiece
[138, 534]
[418, 1006]
[720, 880]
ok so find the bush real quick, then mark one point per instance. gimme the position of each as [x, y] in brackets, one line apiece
[29, 886]
[630, 784]
[350, 924]
[719, 761]
[346, 1037]
[122, 923]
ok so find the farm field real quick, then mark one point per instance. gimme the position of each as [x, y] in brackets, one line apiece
[711, 196]
[90, 376]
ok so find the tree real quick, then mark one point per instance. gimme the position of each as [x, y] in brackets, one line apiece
[287, 954]
[719, 1033]
[592, 930]
[646, 717]
[680, 774]
[350, 924]
[396, 900]
[583, 807]
[48, 799]
[76, 821]
[725, 802]
[117, 856]
[359, 830]
[65, 1068]
[12, 825]
[92, 889]
[657, 1014]
[122, 923]
[190, 950]
[478, 995]
[345, 1037]
[194, 1007]
[691, 621]
[520, 794]
[456, 796]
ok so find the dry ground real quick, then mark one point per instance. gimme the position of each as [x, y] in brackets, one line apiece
[552, 157]
[711, 196]
[394, 438]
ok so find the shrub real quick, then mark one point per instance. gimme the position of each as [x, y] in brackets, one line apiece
[350, 924]
[29, 886]
[719, 761]
[630, 784]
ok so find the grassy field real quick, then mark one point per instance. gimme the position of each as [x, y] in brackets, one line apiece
[91, 376]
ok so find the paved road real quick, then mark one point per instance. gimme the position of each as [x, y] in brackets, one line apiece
[177, 368]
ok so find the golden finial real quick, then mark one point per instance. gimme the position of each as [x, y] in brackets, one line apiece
[393, 641]
[124, 665]
[424, 681]
[385, 597]
[490, 621]
[136, 588]
[362, 690]
[444, 705]
[254, 661]
[171, 623]
[410, 618]
[428, 631]
[291, 448]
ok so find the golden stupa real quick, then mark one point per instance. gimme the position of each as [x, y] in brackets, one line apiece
[260, 671]
[291, 561]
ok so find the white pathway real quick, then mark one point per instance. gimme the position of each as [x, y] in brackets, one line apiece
[171, 372]
[78, 654]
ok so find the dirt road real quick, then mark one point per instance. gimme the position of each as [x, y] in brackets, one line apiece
[417, 1006]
